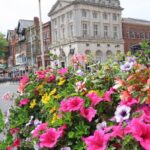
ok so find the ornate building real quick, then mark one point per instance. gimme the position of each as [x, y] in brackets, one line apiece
[86, 26]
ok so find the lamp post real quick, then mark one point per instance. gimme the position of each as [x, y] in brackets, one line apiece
[32, 60]
[41, 36]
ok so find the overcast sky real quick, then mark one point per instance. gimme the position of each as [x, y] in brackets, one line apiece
[13, 10]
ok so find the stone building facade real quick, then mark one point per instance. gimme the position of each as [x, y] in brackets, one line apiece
[135, 31]
[86, 26]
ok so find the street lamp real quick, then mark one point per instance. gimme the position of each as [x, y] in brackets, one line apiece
[41, 36]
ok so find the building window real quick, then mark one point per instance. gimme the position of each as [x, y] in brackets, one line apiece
[71, 30]
[95, 14]
[105, 16]
[84, 29]
[63, 18]
[55, 35]
[55, 22]
[115, 32]
[114, 17]
[84, 13]
[142, 35]
[109, 54]
[63, 33]
[69, 15]
[105, 31]
[95, 30]
[98, 56]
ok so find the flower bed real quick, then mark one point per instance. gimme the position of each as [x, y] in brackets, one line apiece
[63, 109]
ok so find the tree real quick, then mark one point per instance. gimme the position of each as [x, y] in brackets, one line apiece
[3, 44]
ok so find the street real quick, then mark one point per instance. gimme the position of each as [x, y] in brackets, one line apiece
[6, 87]
[4, 105]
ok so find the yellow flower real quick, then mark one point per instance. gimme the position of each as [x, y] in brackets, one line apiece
[39, 87]
[53, 109]
[55, 118]
[61, 81]
[45, 98]
[57, 96]
[33, 104]
[53, 92]
[93, 91]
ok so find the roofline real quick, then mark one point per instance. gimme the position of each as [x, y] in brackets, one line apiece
[135, 21]
[82, 2]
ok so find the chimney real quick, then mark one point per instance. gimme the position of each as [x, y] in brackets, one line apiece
[36, 21]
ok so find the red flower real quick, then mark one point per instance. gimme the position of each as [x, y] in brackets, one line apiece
[14, 131]
[16, 143]
[8, 148]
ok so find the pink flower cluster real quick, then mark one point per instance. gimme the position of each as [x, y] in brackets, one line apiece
[78, 58]
[95, 99]
[24, 101]
[77, 104]
[7, 96]
[48, 137]
[62, 71]
[23, 83]
[41, 74]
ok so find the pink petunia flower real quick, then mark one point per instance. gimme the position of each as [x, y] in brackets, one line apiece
[71, 104]
[50, 138]
[146, 114]
[61, 130]
[129, 102]
[141, 132]
[107, 95]
[51, 79]
[24, 80]
[98, 141]
[117, 131]
[62, 71]
[40, 74]
[88, 113]
[95, 99]
[64, 106]
[75, 103]
[39, 128]
[24, 101]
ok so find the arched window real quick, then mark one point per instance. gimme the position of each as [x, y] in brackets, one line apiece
[62, 58]
[87, 52]
[109, 54]
[98, 56]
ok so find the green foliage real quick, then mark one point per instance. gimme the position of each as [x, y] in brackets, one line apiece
[2, 124]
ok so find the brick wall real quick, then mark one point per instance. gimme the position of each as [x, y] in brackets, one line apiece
[134, 34]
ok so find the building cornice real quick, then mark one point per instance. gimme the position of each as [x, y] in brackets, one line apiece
[52, 12]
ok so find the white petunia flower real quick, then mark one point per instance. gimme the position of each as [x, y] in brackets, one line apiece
[122, 113]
